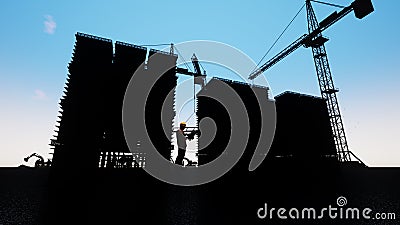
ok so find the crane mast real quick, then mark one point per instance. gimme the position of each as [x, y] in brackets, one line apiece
[327, 88]
[315, 40]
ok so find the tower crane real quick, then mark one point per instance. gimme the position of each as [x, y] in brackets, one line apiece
[316, 41]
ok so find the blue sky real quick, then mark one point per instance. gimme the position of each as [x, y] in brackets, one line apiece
[38, 37]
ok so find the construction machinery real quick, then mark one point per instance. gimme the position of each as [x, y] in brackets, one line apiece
[196, 65]
[316, 41]
[40, 160]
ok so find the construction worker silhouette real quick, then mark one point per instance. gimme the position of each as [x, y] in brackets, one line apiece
[181, 140]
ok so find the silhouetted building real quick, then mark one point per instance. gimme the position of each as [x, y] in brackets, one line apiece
[81, 126]
[303, 130]
[160, 103]
[90, 131]
[212, 108]
[127, 58]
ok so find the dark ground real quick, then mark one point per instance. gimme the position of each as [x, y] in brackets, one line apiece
[131, 196]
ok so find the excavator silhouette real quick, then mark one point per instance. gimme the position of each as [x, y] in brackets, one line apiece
[40, 161]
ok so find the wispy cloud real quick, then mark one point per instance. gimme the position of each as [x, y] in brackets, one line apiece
[49, 24]
[39, 95]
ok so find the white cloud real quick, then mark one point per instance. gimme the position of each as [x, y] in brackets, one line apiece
[40, 95]
[49, 25]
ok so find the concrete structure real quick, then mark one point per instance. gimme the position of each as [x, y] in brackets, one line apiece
[209, 107]
[303, 131]
[90, 131]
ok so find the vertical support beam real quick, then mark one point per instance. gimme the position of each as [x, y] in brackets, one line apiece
[327, 88]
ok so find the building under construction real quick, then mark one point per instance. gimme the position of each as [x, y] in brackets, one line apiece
[90, 125]
[90, 135]
[99, 73]
[303, 132]
[209, 107]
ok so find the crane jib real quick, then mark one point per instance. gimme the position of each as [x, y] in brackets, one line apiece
[361, 9]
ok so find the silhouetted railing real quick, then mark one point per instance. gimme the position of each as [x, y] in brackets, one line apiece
[122, 160]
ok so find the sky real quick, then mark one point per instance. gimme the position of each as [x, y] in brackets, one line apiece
[38, 38]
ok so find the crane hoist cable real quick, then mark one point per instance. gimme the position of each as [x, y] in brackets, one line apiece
[194, 90]
[279, 37]
[184, 60]
[154, 45]
[330, 4]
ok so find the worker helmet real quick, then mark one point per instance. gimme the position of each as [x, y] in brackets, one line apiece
[182, 125]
